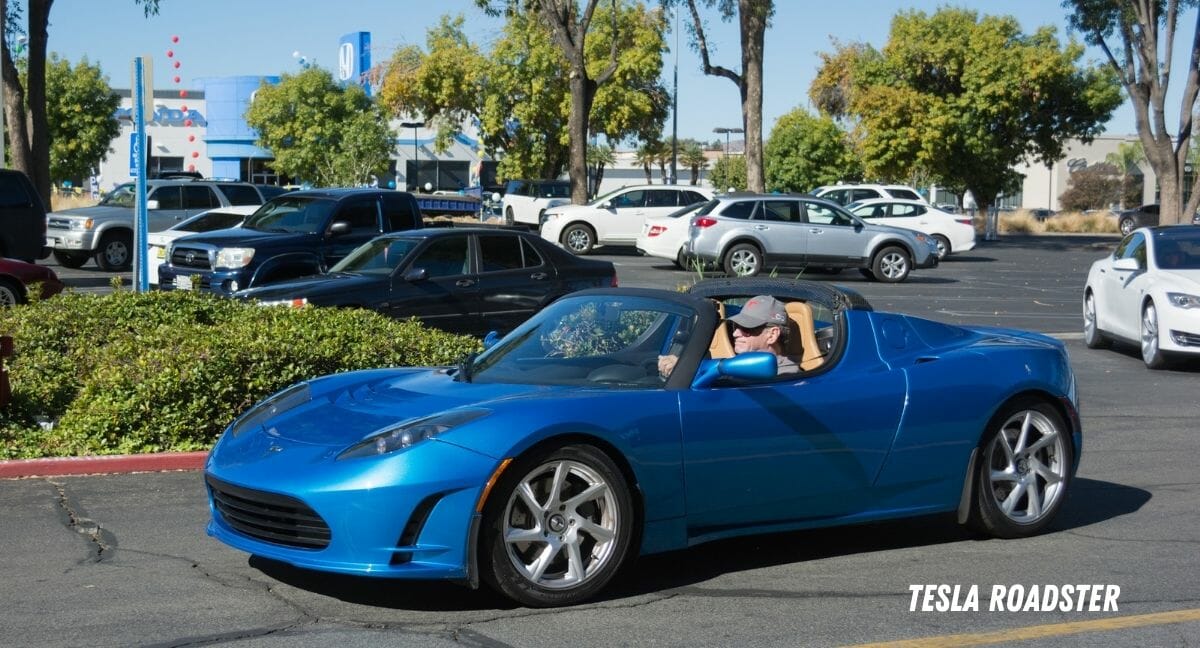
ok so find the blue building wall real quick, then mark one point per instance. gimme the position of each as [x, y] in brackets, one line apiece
[229, 138]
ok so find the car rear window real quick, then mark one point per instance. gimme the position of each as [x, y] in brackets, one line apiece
[741, 209]
[240, 194]
[554, 190]
[906, 194]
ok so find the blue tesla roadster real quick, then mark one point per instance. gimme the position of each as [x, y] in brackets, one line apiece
[543, 464]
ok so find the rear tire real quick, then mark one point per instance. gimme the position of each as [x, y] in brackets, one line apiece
[743, 260]
[943, 246]
[115, 252]
[509, 219]
[578, 239]
[1127, 225]
[73, 260]
[11, 294]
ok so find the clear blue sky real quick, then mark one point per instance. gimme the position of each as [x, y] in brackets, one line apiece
[258, 37]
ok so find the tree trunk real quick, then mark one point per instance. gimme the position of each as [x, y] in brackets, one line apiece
[14, 108]
[753, 14]
[582, 92]
[39, 127]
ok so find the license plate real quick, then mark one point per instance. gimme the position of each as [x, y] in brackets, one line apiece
[183, 282]
[160, 252]
[51, 242]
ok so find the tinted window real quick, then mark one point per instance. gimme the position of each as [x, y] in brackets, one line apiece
[291, 214]
[741, 209]
[1136, 249]
[1122, 246]
[904, 194]
[363, 216]
[445, 257]
[869, 211]
[838, 196]
[629, 199]
[379, 256]
[12, 191]
[214, 221]
[241, 194]
[167, 197]
[555, 190]
[691, 198]
[532, 257]
[662, 198]
[498, 253]
[787, 211]
[863, 194]
[515, 188]
[1179, 252]
[399, 211]
[199, 197]
[901, 209]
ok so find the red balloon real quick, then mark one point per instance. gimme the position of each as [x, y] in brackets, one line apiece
[183, 93]
[174, 39]
[195, 154]
[191, 167]
[176, 79]
[183, 107]
[191, 138]
[187, 122]
[170, 53]
[177, 65]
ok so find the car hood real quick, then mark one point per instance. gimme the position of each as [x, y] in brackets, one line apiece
[891, 229]
[336, 282]
[1184, 279]
[95, 211]
[242, 237]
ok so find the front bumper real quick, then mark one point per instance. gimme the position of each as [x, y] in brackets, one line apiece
[1179, 328]
[76, 240]
[218, 282]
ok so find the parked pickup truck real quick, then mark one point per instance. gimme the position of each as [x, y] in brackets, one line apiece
[294, 235]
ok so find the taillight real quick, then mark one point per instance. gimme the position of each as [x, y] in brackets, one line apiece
[614, 281]
[655, 230]
[704, 221]
[964, 221]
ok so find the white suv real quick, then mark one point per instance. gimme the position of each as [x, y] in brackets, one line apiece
[844, 194]
[525, 200]
[616, 218]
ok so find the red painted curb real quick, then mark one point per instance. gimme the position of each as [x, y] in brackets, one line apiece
[104, 464]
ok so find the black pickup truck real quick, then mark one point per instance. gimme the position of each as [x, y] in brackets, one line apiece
[22, 218]
[294, 235]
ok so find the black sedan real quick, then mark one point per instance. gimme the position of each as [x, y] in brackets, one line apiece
[461, 280]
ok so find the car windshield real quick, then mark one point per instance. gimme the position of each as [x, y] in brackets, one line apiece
[209, 221]
[299, 214]
[122, 196]
[686, 210]
[379, 256]
[1178, 250]
[602, 341]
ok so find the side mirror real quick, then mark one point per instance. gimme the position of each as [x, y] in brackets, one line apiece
[1126, 264]
[607, 204]
[490, 339]
[339, 228]
[151, 204]
[413, 275]
[754, 367]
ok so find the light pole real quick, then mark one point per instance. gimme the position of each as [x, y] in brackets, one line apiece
[416, 161]
[727, 131]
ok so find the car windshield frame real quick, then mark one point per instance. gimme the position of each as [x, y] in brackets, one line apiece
[122, 195]
[687, 209]
[379, 256]
[292, 214]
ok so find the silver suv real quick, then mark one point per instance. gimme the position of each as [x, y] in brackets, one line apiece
[746, 234]
[105, 231]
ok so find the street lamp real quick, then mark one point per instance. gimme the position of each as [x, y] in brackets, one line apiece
[727, 131]
[416, 166]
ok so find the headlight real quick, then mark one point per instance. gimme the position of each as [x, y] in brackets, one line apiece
[299, 302]
[1183, 300]
[399, 437]
[81, 224]
[293, 396]
[234, 257]
[548, 216]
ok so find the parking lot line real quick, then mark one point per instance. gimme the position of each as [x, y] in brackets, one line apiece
[1043, 631]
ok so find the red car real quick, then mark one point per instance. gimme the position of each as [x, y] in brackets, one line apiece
[15, 277]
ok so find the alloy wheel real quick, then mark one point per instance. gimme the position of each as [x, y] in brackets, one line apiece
[894, 265]
[743, 262]
[1027, 467]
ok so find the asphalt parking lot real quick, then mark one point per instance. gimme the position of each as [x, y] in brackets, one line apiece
[123, 560]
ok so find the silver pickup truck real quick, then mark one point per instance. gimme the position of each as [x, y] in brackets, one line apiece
[105, 231]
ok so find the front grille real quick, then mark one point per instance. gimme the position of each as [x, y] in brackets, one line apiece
[1183, 338]
[185, 257]
[58, 223]
[269, 517]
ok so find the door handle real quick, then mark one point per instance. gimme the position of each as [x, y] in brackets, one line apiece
[464, 283]
[538, 276]
[815, 230]
[760, 227]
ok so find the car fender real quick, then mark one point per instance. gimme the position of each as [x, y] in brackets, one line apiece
[734, 238]
[286, 262]
[105, 227]
[891, 241]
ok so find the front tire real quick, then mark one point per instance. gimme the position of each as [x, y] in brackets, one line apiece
[1092, 336]
[943, 246]
[557, 528]
[743, 260]
[11, 294]
[1127, 225]
[891, 265]
[1024, 470]
[579, 239]
[1152, 354]
[73, 260]
[115, 252]
[509, 218]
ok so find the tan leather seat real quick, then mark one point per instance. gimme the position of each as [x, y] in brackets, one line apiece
[721, 346]
[802, 337]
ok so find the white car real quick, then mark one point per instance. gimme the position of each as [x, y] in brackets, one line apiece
[664, 236]
[844, 194]
[524, 201]
[213, 219]
[1147, 291]
[951, 232]
[616, 218]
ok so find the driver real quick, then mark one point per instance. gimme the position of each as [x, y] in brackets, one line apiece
[761, 325]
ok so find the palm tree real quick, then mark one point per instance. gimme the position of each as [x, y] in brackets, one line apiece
[1126, 158]
[693, 158]
[598, 157]
[647, 155]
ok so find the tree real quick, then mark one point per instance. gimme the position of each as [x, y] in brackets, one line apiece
[29, 133]
[692, 157]
[599, 157]
[1125, 159]
[806, 151]
[728, 172]
[320, 131]
[965, 99]
[1096, 187]
[647, 154]
[79, 110]
[753, 16]
[1144, 36]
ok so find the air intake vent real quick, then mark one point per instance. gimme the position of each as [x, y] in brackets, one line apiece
[269, 517]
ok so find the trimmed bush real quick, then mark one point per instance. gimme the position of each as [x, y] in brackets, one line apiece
[128, 373]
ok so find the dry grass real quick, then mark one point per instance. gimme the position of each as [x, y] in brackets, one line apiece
[1023, 222]
[60, 202]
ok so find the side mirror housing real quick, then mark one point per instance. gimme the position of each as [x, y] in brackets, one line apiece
[1126, 264]
[339, 228]
[413, 275]
[151, 205]
[490, 339]
[607, 204]
[753, 367]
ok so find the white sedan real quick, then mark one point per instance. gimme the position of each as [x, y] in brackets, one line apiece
[664, 236]
[1147, 291]
[213, 219]
[952, 232]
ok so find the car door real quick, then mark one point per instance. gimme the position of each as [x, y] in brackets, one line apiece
[170, 208]
[659, 202]
[362, 214]
[199, 198]
[834, 238]
[780, 227]
[514, 281]
[438, 286]
[909, 216]
[622, 220]
[785, 452]
[1125, 288]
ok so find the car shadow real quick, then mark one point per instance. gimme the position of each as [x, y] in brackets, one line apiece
[1091, 502]
[1181, 364]
[97, 281]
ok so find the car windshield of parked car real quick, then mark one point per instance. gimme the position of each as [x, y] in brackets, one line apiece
[122, 196]
[209, 221]
[1179, 251]
[379, 256]
[297, 214]
[603, 341]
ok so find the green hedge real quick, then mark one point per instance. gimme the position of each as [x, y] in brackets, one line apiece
[128, 372]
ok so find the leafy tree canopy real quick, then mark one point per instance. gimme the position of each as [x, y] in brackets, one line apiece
[79, 110]
[728, 172]
[320, 131]
[805, 151]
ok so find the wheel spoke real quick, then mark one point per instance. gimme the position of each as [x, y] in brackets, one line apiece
[576, 570]
[514, 536]
[1046, 440]
[599, 533]
[1014, 496]
[1009, 455]
[525, 492]
[1024, 436]
[595, 491]
[560, 478]
[542, 562]
[1044, 471]
[1006, 475]
[1034, 506]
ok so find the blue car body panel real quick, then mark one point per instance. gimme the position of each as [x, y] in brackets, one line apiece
[885, 429]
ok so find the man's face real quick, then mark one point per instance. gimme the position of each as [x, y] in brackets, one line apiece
[759, 338]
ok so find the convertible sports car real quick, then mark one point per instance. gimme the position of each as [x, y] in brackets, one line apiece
[1147, 291]
[546, 462]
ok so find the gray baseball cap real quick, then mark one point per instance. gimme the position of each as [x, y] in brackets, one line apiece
[760, 310]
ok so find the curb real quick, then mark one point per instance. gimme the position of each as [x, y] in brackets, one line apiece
[102, 465]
